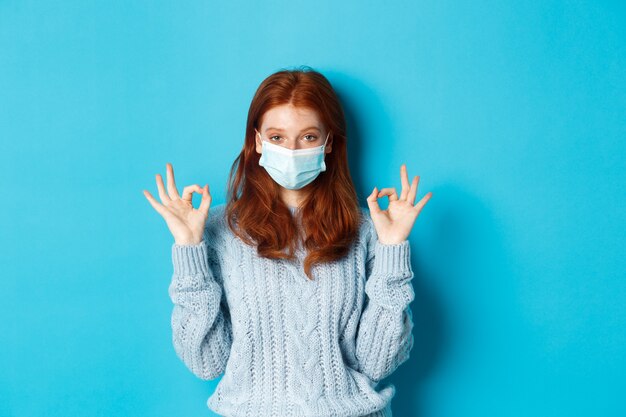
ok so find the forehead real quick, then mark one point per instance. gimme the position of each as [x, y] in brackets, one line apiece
[287, 116]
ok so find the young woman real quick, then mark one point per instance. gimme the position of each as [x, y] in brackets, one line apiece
[291, 289]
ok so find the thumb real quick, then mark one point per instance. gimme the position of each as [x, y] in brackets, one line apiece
[372, 202]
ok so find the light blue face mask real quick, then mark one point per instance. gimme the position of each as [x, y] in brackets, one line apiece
[292, 168]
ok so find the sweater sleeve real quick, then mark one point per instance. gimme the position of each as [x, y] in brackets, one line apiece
[201, 327]
[384, 336]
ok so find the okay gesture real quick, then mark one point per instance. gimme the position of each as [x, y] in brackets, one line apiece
[394, 224]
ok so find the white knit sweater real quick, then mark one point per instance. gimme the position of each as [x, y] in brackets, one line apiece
[289, 346]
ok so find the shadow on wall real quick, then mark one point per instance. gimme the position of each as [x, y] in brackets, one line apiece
[428, 317]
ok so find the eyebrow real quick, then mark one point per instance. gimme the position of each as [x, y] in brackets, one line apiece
[306, 128]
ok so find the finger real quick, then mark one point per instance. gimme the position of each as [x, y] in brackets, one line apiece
[405, 182]
[423, 202]
[372, 202]
[189, 190]
[157, 206]
[171, 185]
[390, 191]
[206, 200]
[161, 187]
[413, 191]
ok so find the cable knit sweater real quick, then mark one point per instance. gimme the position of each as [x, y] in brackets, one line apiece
[289, 346]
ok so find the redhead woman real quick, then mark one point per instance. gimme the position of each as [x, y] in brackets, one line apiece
[293, 291]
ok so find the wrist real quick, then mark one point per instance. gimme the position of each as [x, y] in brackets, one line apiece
[391, 241]
[187, 242]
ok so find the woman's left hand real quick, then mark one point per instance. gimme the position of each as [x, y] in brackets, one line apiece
[394, 224]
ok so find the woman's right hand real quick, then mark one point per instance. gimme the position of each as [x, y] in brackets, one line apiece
[185, 222]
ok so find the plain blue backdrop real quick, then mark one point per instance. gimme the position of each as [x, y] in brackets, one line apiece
[512, 112]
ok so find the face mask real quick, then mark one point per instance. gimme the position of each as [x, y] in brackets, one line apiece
[292, 168]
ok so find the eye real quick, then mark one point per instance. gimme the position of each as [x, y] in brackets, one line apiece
[275, 136]
[313, 137]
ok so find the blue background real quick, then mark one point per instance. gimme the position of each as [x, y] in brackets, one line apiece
[513, 114]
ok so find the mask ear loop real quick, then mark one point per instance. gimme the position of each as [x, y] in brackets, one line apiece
[326, 141]
[263, 142]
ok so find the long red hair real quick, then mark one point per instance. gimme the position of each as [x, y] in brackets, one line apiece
[330, 212]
